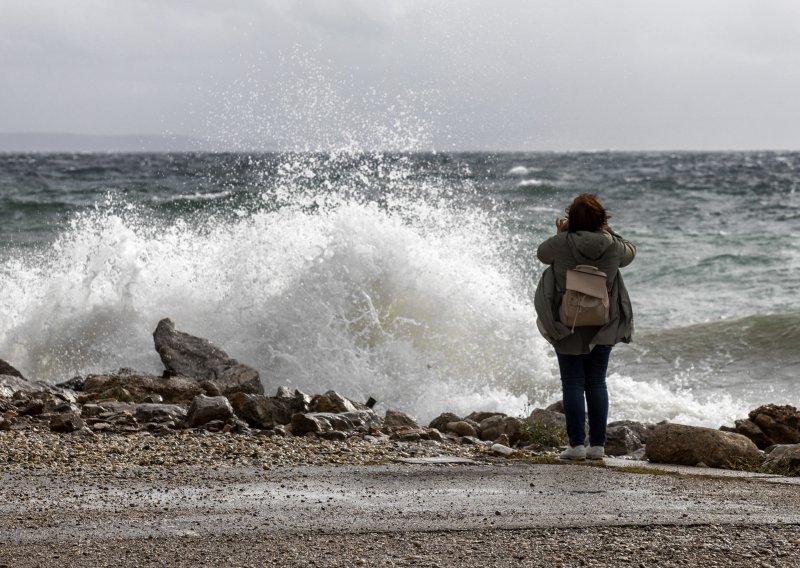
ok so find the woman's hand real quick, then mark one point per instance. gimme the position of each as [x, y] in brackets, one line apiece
[562, 224]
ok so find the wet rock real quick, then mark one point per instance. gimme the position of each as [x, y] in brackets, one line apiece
[136, 388]
[7, 421]
[556, 407]
[30, 407]
[185, 354]
[151, 412]
[689, 445]
[784, 459]
[260, 411]
[640, 429]
[66, 422]
[482, 415]
[205, 409]
[75, 383]
[395, 420]
[547, 419]
[461, 428]
[440, 422]
[321, 422]
[10, 384]
[331, 401]
[780, 424]
[7, 369]
[498, 425]
[336, 435]
[747, 427]
[621, 440]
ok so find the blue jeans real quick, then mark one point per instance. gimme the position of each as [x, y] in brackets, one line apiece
[585, 375]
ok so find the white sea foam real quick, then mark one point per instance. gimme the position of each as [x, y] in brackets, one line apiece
[531, 183]
[521, 171]
[632, 399]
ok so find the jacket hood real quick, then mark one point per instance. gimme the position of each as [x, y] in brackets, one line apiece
[589, 245]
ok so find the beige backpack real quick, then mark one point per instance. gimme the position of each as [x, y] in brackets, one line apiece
[585, 301]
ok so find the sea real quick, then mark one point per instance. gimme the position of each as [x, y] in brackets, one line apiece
[406, 277]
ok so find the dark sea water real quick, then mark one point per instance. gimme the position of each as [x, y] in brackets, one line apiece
[407, 277]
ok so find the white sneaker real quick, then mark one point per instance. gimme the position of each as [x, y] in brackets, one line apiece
[595, 453]
[573, 453]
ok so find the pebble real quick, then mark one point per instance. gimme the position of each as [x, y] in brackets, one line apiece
[113, 452]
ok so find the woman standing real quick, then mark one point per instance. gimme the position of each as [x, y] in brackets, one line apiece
[584, 237]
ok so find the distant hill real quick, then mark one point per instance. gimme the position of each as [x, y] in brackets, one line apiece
[60, 142]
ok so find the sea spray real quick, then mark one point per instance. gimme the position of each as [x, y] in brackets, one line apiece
[404, 299]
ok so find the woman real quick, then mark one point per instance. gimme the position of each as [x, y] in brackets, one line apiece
[584, 237]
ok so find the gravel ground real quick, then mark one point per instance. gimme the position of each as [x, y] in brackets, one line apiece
[649, 546]
[230, 500]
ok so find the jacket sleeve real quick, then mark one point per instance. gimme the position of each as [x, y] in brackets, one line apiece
[626, 248]
[546, 251]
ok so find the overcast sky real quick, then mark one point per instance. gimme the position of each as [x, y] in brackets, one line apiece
[443, 74]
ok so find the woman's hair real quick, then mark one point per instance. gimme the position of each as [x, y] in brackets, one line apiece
[587, 214]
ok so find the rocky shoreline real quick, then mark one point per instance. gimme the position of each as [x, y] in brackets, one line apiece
[208, 408]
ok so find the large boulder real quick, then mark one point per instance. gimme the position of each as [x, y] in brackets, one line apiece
[198, 358]
[260, 411]
[777, 424]
[136, 388]
[204, 409]
[693, 445]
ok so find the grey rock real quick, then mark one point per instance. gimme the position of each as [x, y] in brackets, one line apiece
[482, 415]
[498, 425]
[547, 419]
[185, 354]
[204, 409]
[461, 428]
[689, 445]
[641, 429]
[153, 412]
[75, 383]
[138, 387]
[557, 406]
[395, 420]
[621, 441]
[780, 424]
[7, 369]
[260, 411]
[66, 422]
[440, 422]
[747, 427]
[320, 422]
[784, 458]
[331, 401]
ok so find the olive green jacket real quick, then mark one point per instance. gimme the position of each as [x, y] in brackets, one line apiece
[606, 250]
